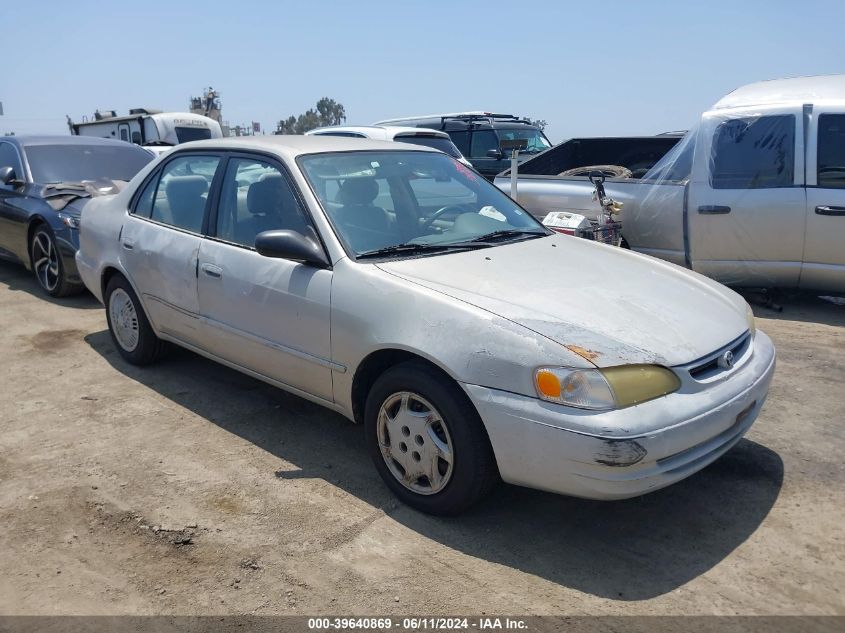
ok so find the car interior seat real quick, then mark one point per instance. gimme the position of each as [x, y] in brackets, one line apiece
[357, 196]
[272, 205]
[186, 200]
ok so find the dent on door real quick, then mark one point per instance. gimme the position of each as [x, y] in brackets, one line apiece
[162, 262]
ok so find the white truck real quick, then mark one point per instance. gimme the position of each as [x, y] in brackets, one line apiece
[151, 128]
[753, 196]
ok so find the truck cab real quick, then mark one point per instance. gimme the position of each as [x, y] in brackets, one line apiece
[764, 196]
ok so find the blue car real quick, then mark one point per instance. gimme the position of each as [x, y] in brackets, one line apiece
[44, 183]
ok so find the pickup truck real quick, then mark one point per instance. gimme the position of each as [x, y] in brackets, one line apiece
[753, 196]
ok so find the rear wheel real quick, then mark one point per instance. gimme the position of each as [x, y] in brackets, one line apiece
[427, 441]
[131, 332]
[47, 264]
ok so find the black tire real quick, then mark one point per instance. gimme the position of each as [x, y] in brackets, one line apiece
[44, 257]
[473, 472]
[148, 347]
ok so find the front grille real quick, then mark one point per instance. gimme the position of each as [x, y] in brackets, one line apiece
[708, 366]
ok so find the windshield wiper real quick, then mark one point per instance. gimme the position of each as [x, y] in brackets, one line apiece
[413, 249]
[506, 233]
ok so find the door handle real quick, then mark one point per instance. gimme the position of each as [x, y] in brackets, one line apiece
[713, 209]
[212, 271]
[828, 210]
[128, 243]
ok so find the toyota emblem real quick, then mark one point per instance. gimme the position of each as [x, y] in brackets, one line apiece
[726, 361]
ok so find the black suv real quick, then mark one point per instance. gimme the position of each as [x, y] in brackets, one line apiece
[479, 136]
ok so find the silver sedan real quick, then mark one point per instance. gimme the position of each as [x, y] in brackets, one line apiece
[394, 285]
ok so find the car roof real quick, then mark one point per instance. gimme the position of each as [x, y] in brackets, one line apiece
[793, 90]
[388, 131]
[291, 146]
[28, 140]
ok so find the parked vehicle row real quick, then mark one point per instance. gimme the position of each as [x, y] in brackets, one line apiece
[754, 195]
[479, 136]
[394, 285]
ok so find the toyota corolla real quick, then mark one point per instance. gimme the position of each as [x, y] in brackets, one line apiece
[394, 285]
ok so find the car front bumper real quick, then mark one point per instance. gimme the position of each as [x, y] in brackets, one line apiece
[589, 454]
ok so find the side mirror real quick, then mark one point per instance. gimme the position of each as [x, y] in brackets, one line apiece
[8, 175]
[285, 244]
[495, 153]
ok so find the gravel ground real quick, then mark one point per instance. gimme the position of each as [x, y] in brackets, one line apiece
[187, 488]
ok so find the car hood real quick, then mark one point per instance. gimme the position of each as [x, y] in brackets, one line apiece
[608, 305]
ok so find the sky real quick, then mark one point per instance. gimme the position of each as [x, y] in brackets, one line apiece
[589, 69]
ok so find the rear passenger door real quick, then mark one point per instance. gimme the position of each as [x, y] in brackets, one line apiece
[824, 247]
[160, 242]
[746, 203]
[268, 315]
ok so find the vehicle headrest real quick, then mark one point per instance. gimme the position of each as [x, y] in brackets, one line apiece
[361, 191]
[266, 195]
[184, 187]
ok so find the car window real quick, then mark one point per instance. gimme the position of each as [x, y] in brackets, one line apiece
[535, 139]
[831, 151]
[182, 191]
[256, 197]
[144, 203]
[753, 153]
[461, 140]
[445, 145]
[482, 142]
[188, 134]
[9, 158]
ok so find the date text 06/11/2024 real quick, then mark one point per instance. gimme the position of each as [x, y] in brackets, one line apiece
[416, 624]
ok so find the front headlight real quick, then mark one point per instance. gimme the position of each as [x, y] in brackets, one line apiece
[604, 389]
[70, 221]
[749, 316]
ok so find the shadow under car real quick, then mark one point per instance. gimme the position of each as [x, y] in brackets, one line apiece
[623, 550]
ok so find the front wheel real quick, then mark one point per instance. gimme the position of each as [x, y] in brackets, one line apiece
[131, 332]
[47, 264]
[427, 441]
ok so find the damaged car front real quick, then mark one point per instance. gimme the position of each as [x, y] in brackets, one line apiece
[650, 373]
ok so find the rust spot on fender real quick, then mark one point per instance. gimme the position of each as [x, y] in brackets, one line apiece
[583, 353]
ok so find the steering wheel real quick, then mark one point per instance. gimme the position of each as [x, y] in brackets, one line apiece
[441, 211]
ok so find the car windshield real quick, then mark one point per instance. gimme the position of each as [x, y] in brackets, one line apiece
[399, 202]
[74, 163]
[187, 134]
[445, 145]
[537, 141]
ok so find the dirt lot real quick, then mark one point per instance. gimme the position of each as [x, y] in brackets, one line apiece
[188, 488]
